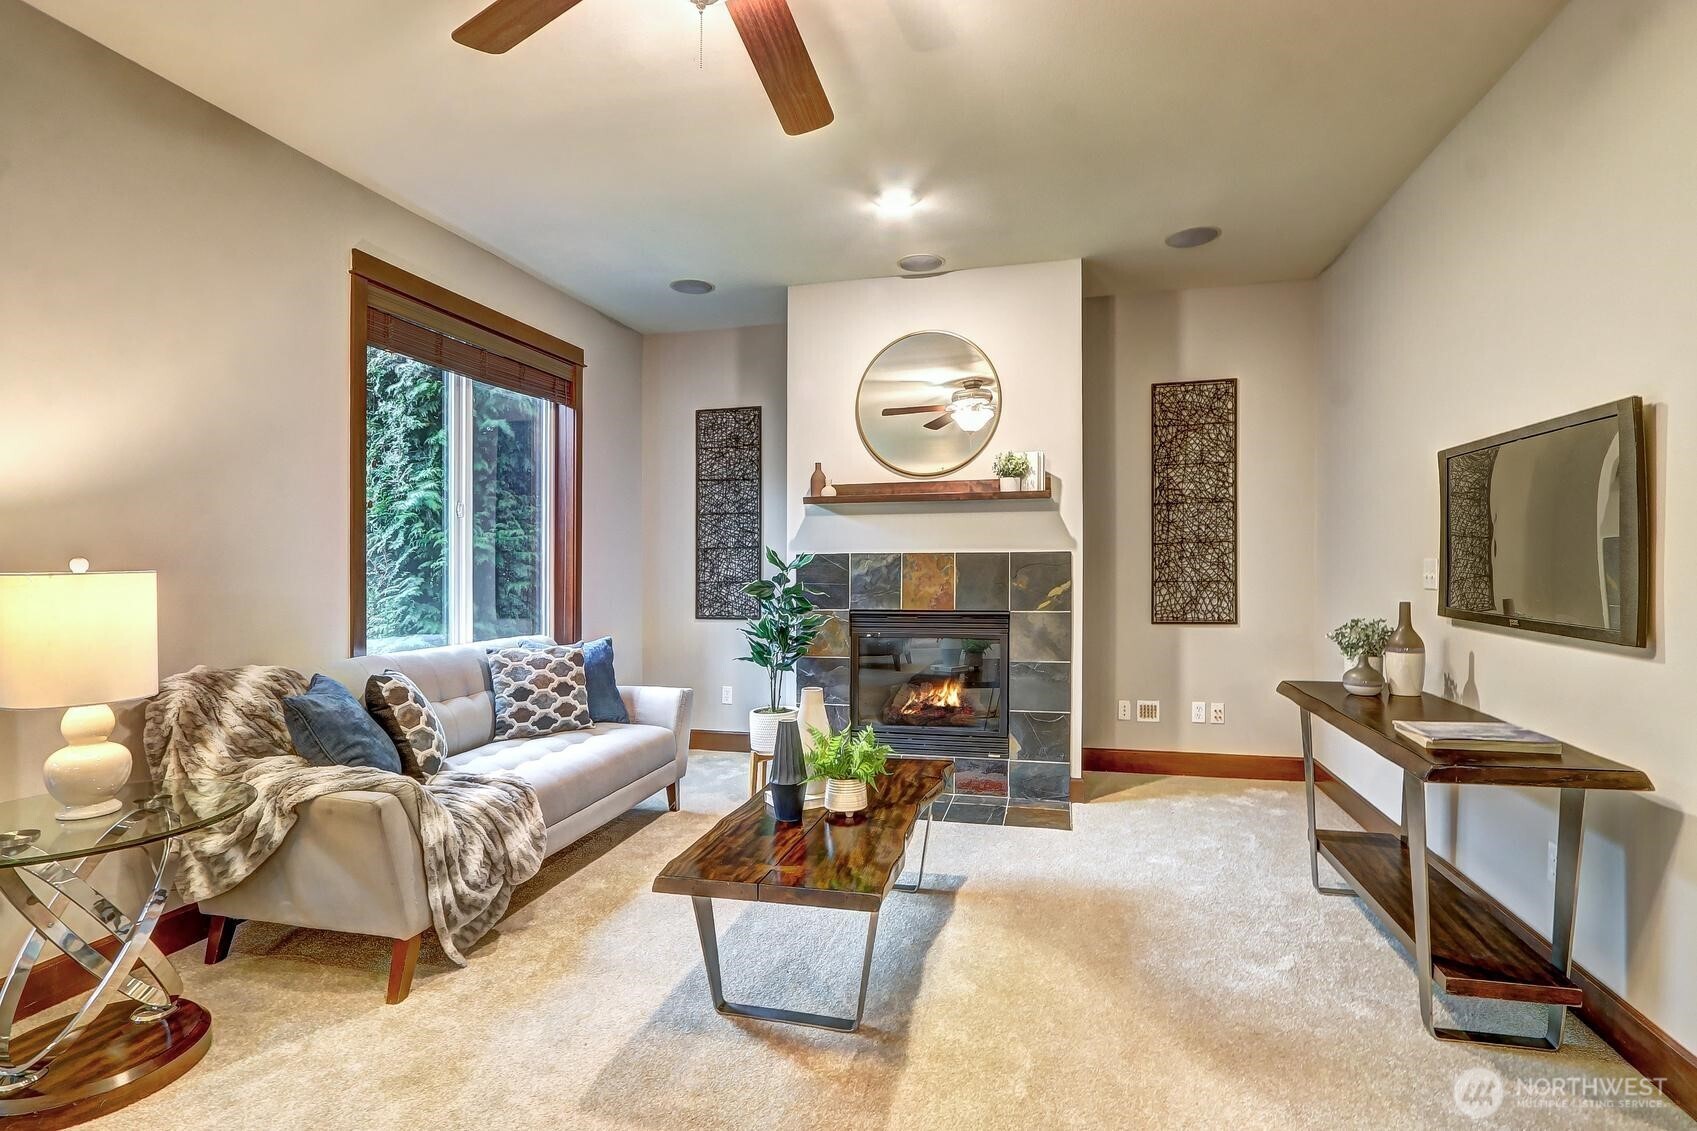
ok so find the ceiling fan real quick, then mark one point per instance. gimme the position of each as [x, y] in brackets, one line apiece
[971, 407]
[767, 28]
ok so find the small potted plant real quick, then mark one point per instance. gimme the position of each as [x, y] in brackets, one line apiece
[1011, 468]
[848, 762]
[777, 638]
[1359, 639]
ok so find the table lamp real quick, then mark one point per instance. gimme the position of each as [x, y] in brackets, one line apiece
[80, 640]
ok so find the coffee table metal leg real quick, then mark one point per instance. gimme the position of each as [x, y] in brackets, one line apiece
[710, 958]
[923, 845]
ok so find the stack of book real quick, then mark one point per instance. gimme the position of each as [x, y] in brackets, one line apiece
[1498, 738]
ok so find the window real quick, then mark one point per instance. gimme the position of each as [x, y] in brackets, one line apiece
[465, 482]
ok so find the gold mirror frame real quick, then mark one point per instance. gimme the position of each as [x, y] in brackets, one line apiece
[987, 432]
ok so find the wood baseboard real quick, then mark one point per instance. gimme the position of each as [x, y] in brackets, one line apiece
[1644, 1044]
[1181, 763]
[58, 979]
[733, 740]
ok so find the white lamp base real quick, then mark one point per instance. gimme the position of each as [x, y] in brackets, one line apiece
[86, 775]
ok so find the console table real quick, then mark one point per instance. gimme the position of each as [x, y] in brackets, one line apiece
[1459, 943]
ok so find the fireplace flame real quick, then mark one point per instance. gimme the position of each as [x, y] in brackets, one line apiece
[939, 693]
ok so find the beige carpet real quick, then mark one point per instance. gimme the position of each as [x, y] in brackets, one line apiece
[1163, 965]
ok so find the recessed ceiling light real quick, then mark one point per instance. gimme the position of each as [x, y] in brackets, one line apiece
[1193, 237]
[895, 203]
[692, 286]
[923, 261]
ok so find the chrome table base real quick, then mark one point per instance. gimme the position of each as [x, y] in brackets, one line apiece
[155, 998]
[1568, 835]
[704, 927]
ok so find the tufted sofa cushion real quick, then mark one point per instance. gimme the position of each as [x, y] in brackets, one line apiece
[576, 768]
[455, 679]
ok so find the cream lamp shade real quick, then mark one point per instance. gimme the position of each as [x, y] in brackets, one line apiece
[76, 639]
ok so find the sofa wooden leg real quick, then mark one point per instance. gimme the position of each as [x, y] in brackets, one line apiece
[220, 932]
[672, 797]
[403, 960]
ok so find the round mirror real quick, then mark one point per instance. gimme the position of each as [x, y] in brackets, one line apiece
[928, 404]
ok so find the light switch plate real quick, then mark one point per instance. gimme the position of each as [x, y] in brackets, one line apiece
[1429, 573]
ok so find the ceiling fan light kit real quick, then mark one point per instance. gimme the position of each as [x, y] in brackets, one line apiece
[767, 28]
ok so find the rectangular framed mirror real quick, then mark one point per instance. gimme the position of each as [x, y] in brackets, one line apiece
[1546, 528]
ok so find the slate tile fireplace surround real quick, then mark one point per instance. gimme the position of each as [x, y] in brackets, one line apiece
[970, 648]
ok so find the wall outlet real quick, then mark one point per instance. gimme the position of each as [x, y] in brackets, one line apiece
[725, 693]
[1216, 712]
[1198, 711]
[1148, 710]
[1429, 573]
[1125, 710]
[1550, 868]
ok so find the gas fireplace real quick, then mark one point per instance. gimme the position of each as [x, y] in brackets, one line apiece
[931, 683]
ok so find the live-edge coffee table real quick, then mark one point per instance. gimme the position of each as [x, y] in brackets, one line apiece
[820, 862]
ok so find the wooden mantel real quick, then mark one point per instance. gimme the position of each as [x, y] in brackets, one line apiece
[926, 491]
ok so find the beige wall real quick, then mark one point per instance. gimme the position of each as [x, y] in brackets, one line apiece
[1028, 320]
[680, 374]
[174, 365]
[1539, 261]
[1268, 338]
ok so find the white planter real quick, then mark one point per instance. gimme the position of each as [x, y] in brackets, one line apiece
[1009, 483]
[845, 795]
[763, 728]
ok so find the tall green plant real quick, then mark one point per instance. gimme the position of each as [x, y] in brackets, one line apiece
[786, 625]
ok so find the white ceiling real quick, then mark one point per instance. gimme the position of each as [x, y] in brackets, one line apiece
[597, 156]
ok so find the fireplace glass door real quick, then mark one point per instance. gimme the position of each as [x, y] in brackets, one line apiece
[925, 686]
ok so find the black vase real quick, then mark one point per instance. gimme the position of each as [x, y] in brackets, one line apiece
[789, 774]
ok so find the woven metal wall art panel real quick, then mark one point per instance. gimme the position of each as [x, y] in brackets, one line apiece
[1193, 497]
[1471, 585]
[727, 511]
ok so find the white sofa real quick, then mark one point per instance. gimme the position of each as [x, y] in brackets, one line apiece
[353, 863]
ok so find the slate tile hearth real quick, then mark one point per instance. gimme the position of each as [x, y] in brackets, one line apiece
[1040, 636]
[1040, 581]
[825, 580]
[875, 581]
[981, 582]
[928, 581]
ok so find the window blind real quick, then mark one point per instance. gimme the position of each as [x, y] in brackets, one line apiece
[467, 350]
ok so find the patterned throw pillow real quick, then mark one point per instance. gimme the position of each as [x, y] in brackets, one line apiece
[539, 691]
[407, 716]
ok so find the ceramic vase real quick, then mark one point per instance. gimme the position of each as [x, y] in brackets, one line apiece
[763, 728]
[1363, 678]
[845, 795]
[1405, 655]
[816, 484]
[789, 773]
[813, 717]
[1009, 483]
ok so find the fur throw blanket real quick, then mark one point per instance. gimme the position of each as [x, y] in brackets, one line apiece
[482, 834]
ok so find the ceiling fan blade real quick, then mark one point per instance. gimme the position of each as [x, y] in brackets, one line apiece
[507, 23]
[941, 422]
[916, 408]
[780, 58]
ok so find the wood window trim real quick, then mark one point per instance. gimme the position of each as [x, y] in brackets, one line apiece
[369, 275]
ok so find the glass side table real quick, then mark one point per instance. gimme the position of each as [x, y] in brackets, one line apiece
[135, 1032]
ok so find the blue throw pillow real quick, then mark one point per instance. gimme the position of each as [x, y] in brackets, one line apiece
[605, 705]
[332, 728]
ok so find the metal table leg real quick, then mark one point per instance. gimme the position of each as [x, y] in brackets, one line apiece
[1313, 826]
[46, 924]
[923, 846]
[1567, 886]
[710, 958]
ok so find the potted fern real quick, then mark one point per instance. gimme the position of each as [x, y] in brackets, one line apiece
[1011, 468]
[848, 763]
[778, 637]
